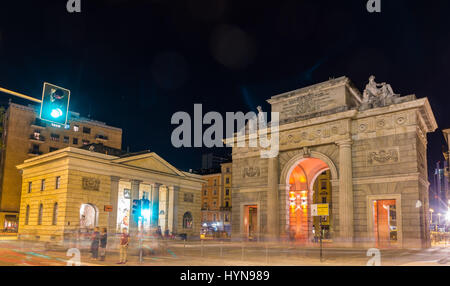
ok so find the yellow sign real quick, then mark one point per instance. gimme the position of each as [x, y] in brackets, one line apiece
[319, 210]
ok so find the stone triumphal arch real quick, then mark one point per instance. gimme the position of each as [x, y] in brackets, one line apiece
[363, 154]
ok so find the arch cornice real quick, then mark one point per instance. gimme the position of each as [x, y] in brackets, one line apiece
[289, 166]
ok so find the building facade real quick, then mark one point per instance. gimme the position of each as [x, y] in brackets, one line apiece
[373, 146]
[216, 200]
[74, 190]
[26, 136]
[439, 190]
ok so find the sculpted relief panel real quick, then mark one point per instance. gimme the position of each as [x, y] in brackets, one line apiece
[383, 156]
[398, 121]
[324, 133]
[251, 172]
[309, 103]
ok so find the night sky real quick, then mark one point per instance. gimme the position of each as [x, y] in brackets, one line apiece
[132, 64]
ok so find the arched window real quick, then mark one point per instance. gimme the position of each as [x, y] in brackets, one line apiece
[27, 215]
[41, 210]
[55, 214]
[187, 220]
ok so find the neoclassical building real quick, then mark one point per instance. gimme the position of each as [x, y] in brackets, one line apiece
[368, 150]
[72, 189]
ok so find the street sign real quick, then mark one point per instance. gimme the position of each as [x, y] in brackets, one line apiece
[108, 208]
[319, 210]
[55, 103]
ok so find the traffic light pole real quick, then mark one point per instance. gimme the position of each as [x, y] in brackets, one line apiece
[4, 90]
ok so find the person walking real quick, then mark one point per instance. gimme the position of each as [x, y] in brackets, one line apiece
[95, 241]
[103, 242]
[124, 240]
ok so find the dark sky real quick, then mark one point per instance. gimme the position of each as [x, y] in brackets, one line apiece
[132, 64]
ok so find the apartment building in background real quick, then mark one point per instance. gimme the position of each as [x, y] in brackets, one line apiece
[216, 200]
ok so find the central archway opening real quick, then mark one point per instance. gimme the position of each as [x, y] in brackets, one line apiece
[88, 216]
[309, 183]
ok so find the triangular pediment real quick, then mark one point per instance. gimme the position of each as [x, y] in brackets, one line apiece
[150, 161]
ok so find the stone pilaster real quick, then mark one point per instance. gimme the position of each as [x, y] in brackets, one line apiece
[113, 200]
[272, 199]
[155, 205]
[173, 209]
[345, 191]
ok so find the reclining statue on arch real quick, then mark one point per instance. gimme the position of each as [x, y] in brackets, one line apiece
[377, 94]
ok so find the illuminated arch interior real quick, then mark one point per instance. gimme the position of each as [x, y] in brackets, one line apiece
[301, 181]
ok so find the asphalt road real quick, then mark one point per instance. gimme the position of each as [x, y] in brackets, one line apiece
[16, 253]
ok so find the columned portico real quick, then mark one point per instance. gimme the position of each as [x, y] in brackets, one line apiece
[345, 191]
[97, 190]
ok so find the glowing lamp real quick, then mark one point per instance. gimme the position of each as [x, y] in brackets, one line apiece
[56, 113]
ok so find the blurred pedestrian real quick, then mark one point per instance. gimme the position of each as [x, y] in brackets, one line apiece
[95, 242]
[103, 242]
[123, 246]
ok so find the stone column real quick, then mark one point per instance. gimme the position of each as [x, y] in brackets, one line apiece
[283, 202]
[113, 200]
[173, 209]
[134, 196]
[166, 211]
[272, 200]
[155, 205]
[345, 191]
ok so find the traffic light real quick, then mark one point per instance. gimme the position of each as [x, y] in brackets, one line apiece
[136, 210]
[55, 103]
[145, 212]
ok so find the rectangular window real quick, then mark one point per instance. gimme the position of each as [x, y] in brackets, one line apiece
[227, 192]
[228, 170]
[76, 128]
[227, 180]
[215, 192]
[66, 139]
[42, 184]
[323, 184]
[30, 185]
[75, 141]
[85, 142]
[58, 182]
[87, 130]
[205, 192]
[54, 137]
